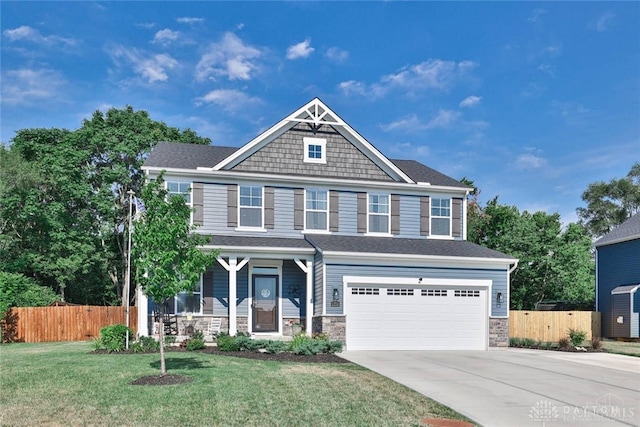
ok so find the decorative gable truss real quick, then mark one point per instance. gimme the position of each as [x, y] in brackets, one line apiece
[332, 149]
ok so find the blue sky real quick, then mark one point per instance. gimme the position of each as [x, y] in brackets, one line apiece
[533, 101]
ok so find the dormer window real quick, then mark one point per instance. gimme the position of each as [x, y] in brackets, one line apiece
[315, 150]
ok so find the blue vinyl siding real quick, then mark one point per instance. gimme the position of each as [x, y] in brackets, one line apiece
[618, 265]
[317, 284]
[335, 273]
[221, 291]
[409, 216]
[293, 277]
[348, 213]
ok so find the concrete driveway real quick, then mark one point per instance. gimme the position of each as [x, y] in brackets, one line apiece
[519, 387]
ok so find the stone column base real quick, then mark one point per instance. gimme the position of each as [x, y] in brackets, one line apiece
[499, 332]
[333, 326]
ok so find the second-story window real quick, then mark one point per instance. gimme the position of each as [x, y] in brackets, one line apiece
[440, 217]
[316, 210]
[181, 189]
[315, 150]
[250, 206]
[378, 213]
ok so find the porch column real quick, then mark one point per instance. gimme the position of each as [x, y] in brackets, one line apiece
[233, 267]
[233, 295]
[142, 304]
[308, 270]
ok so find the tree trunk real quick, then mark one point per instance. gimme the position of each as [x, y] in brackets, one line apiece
[163, 367]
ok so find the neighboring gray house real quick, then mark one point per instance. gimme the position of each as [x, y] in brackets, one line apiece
[618, 280]
[315, 225]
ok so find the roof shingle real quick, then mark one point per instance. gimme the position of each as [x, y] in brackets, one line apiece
[628, 230]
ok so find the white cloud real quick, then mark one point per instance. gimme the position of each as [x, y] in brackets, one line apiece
[436, 74]
[529, 161]
[604, 21]
[336, 54]
[151, 67]
[411, 123]
[190, 20]
[408, 148]
[230, 58]
[553, 50]
[26, 33]
[548, 69]
[533, 89]
[300, 50]
[229, 100]
[537, 13]
[24, 86]
[470, 101]
[146, 25]
[166, 36]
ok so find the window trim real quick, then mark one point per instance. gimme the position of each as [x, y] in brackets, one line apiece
[322, 142]
[240, 207]
[432, 217]
[326, 212]
[186, 313]
[189, 192]
[388, 215]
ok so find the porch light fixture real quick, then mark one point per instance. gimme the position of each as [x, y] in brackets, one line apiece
[336, 294]
[499, 299]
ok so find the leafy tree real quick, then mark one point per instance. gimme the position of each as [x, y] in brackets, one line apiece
[166, 250]
[555, 264]
[63, 202]
[611, 203]
[16, 290]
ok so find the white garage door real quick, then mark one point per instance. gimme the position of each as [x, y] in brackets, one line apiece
[414, 318]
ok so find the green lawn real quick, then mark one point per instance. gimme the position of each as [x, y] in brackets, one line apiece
[622, 347]
[62, 384]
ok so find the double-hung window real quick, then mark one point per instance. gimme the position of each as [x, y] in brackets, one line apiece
[251, 213]
[316, 210]
[378, 213]
[440, 217]
[180, 189]
[190, 302]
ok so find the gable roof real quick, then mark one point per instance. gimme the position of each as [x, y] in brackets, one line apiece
[315, 113]
[628, 230]
[175, 155]
[403, 246]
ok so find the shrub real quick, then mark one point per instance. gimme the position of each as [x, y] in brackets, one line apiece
[547, 345]
[195, 344]
[564, 343]
[596, 343]
[114, 337]
[145, 344]
[275, 347]
[528, 342]
[515, 342]
[334, 347]
[577, 337]
[227, 343]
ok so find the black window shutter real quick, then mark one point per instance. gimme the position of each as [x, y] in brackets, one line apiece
[197, 190]
[298, 209]
[424, 216]
[268, 207]
[362, 212]
[334, 217]
[395, 214]
[232, 205]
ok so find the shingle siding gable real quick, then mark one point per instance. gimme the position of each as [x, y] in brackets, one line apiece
[284, 155]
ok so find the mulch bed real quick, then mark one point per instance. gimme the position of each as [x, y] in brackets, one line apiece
[280, 357]
[167, 379]
[567, 349]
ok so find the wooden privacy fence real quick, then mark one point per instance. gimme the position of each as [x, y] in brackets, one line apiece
[553, 325]
[66, 323]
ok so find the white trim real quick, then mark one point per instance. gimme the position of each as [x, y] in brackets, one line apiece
[388, 214]
[186, 313]
[216, 177]
[324, 289]
[266, 263]
[326, 211]
[248, 227]
[372, 257]
[619, 240]
[432, 217]
[630, 291]
[417, 281]
[322, 143]
[312, 109]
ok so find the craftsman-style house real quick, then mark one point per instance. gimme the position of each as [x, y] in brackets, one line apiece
[318, 227]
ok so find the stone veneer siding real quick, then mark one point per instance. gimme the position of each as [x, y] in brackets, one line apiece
[333, 326]
[499, 332]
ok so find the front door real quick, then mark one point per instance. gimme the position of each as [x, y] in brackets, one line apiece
[265, 303]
